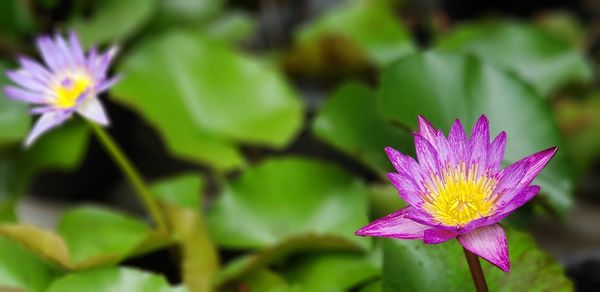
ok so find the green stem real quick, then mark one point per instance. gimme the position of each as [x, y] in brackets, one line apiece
[132, 175]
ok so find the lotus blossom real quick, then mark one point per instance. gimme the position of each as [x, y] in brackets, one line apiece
[457, 189]
[69, 82]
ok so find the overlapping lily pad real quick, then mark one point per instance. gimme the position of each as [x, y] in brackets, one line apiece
[20, 269]
[112, 21]
[181, 199]
[542, 59]
[410, 265]
[352, 121]
[357, 21]
[113, 279]
[14, 117]
[60, 149]
[86, 237]
[207, 98]
[282, 198]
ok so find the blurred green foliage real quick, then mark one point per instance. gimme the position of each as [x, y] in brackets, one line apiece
[286, 222]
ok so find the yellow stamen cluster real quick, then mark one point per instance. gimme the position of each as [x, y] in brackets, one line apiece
[67, 94]
[457, 196]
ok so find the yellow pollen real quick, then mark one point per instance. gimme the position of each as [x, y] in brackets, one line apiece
[69, 89]
[459, 196]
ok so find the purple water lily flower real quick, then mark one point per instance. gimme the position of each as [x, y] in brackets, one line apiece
[70, 82]
[458, 190]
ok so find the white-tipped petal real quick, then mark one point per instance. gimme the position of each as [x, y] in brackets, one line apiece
[93, 110]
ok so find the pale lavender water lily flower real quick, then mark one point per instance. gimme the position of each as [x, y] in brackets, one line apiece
[458, 190]
[69, 82]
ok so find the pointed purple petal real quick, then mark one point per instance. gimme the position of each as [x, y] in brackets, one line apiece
[26, 80]
[537, 162]
[513, 200]
[103, 62]
[93, 110]
[510, 177]
[404, 164]
[45, 123]
[458, 141]
[50, 53]
[65, 52]
[407, 188]
[425, 218]
[496, 152]
[427, 130]
[36, 70]
[106, 84]
[435, 236]
[445, 153]
[479, 143]
[76, 49]
[426, 154]
[23, 95]
[394, 225]
[488, 242]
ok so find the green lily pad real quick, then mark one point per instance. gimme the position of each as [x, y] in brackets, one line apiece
[20, 269]
[207, 97]
[112, 279]
[265, 280]
[112, 21]
[333, 272]
[356, 21]
[246, 265]
[91, 232]
[410, 265]
[352, 121]
[200, 259]
[87, 237]
[288, 197]
[443, 87]
[545, 61]
[60, 149]
[181, 190]
[14, 116]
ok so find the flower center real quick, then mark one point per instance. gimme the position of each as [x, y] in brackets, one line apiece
[459, 196]
[70, 88]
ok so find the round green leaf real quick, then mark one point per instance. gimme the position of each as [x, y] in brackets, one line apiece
[87, 237]
[540, 58]
[410, 265]
[352, 121]
[333, 272]
[182, 190]
[19, 269]
[443, 87]
[112, 20]
[14, 118]
[302, 244]
[63, 149]
[357, 21]
[112, 279]
[288, 197]
[199, 256]
[205, 97]
[92, 232]
[188, 10]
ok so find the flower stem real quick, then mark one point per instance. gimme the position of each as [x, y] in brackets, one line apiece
[476, 271]
[134, 177]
